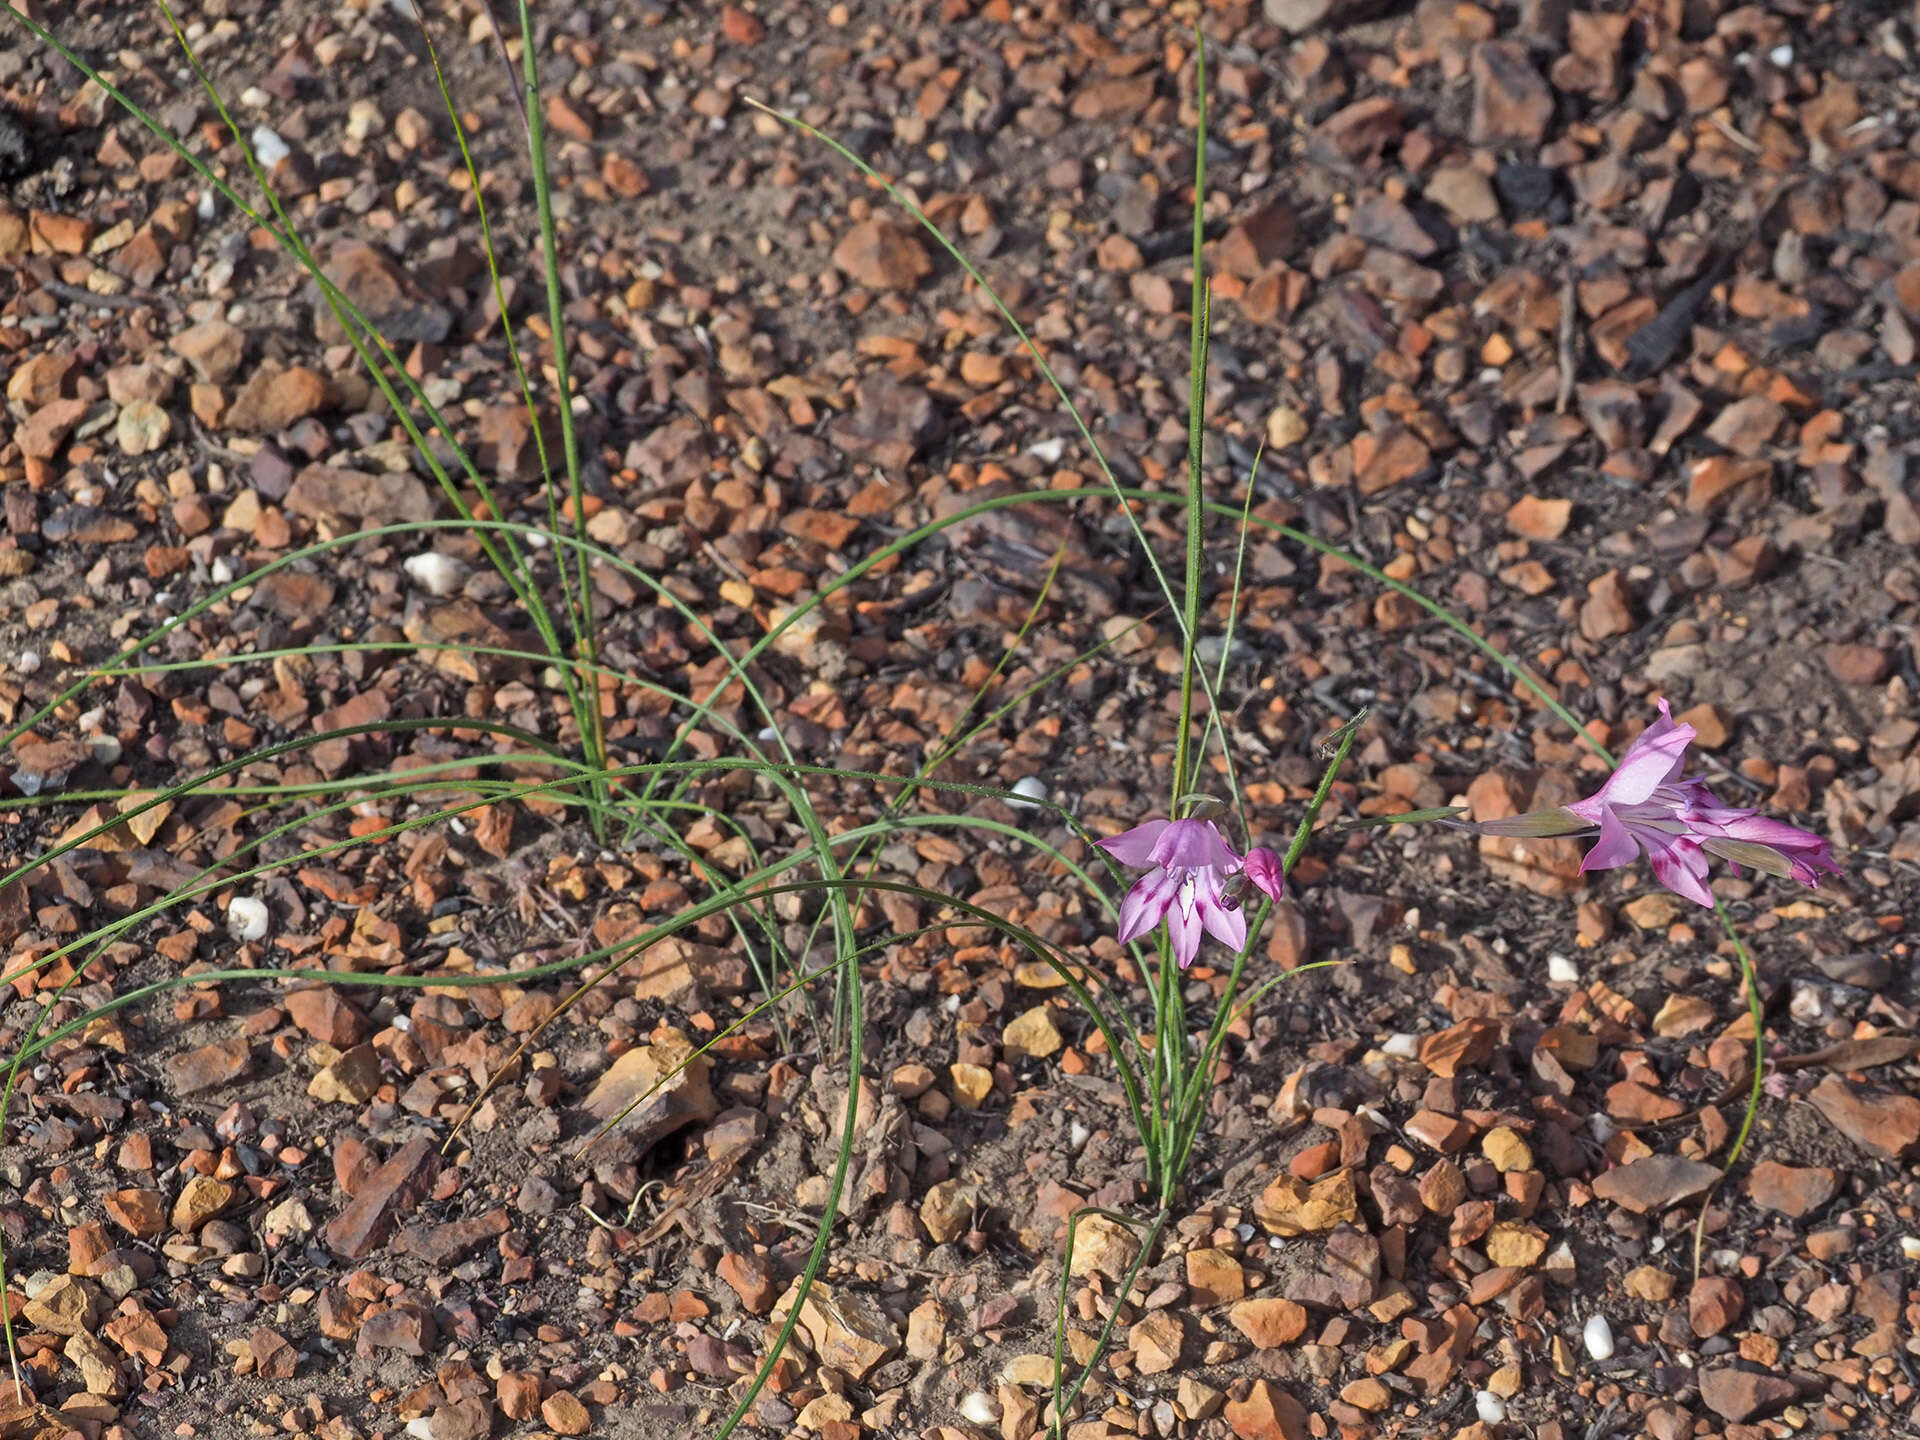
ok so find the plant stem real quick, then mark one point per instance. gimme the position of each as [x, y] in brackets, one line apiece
[1063, 1399]
[1196, 420]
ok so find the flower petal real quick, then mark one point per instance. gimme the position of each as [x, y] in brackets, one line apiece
[1263, 869]
[1135, 847]
[1616, 845]
[1758, 829]
[1146, 904]
[1184, 926]
[1653, 759]
[1225, 923]
[1682, 868]
[1194, 845]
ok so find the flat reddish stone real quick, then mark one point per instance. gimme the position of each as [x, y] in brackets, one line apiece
[1445, 1133]
[1267, 1413]
[391, 1191]
[1655, 1183]
[1714, 1303]
[1880, 1122]
[210, 1066]
[1790, 1190]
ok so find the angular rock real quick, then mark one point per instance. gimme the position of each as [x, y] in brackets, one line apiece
[1267, 1413]
[1031, 1035]
[200, 1200]
[210, 1066]
[213, 348]
[1608, 610]
[42, 379]
[99, 1367]
[659, 1105]
[386, 297]
[948, 1210]
[65, 1306]
[1656, 1183]
[1747, 426]
[849, 1331]
[274, 399]
[1880, 1122]
[449, 1244]
[1511, 102]
[1156, 1341]
[273, 1357]
[323, 1013]
[1740, 1395]
[1714, 1303]
[1103, 1246]
[410, 1329]
[1538, 518]
[352, 499]
[47, 428]
[1465, 1046]
[141, 1213]
[351, 1078]
[1269, 1322]
[1290, 1206]
[1790, 1190]
[467, 1419]
[881, 255]
[1214, 1277]
[390, 1192]
[751, 1280]
[1464, 193]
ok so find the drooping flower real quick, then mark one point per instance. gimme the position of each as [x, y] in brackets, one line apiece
[1188, 864]
[1645, 806]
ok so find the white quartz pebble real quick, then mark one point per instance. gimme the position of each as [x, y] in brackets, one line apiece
[1599, 1338]
[247, 918]
[1029, 790]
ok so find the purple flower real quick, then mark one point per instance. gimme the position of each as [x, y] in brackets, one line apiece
[1678, 823]
[1190, 862]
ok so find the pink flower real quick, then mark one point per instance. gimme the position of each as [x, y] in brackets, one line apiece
[1190, 863]
[1263, 869]
[1645, 806]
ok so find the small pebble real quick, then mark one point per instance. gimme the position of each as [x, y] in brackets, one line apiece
[1599, 1338]
[268, 148]
[979, 1408]
[1562, 971]
[1910, 1246]
[1030, 790]
[247, 918]
[437, 574]
[1402, 1047]
[28, 662]
[1489, 1407]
